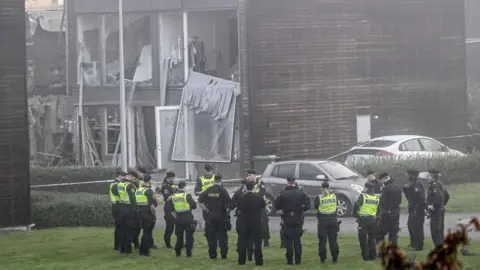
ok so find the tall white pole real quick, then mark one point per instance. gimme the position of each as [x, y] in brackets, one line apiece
[123, 118]
[186, 70]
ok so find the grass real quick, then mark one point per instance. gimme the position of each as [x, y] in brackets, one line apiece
[91, 248]
[464, 198]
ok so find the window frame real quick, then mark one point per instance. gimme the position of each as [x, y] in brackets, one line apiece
[277, 169]
[442, 147]
[311, 165]
[403, 145]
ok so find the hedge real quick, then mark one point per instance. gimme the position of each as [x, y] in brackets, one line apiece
[56, 209]
[455, 170]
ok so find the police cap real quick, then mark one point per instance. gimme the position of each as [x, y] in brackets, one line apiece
[383, 175]
[170, 174]
[133, 173]
[147, 178]
[370, 172]
[121, 173]
[181, 184]
[218, 177]
[325, 185]
[290, 179]
[251, 171]
[208, 168]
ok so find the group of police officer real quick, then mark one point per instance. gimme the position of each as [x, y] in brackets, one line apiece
[377, 210]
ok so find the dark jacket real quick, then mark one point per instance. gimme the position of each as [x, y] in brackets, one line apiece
[377, 186]
[217, 200]
[390, 199]
[415, 194]
[167, 191]
[236, 197]
[250, 207]
[293, 203]
[437, 195]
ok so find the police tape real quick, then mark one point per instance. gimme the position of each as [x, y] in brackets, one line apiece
[189, 183]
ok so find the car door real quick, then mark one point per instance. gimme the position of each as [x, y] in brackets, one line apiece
[307, 174]
[410, 148]
[432, 148]
[280, 174]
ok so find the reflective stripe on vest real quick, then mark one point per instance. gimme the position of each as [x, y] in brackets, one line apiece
[122, 192]
[257, 189]
[328, 204]
[369, 206]
[113, 198]
[141, 197]
[180, 202]
[206, 182]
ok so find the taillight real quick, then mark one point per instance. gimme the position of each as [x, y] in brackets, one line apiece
[383, 153]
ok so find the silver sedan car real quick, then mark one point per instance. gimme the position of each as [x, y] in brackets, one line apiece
[310, 174]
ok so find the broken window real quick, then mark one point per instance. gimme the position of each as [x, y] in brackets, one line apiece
[137, 49]
[206, 120]
[171, 49]
[88, 48]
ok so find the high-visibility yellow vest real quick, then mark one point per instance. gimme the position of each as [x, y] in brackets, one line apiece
[180, 202]
[141, 182]
[369, 206]
[141, 197]
[328, 204]
[113, 198]
[122, 192]
[206, 182]
[257, 189]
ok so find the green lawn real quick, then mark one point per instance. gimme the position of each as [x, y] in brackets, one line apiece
[464, 198]
[90, 248]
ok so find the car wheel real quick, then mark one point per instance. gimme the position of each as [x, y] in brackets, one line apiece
[270, 201]
[343, 206]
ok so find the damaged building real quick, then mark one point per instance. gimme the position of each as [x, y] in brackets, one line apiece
[224, 81]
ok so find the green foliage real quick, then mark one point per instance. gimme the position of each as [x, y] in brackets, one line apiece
[455, 170]
[56, 209]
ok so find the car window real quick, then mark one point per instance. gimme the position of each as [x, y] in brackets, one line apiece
[308, 172]
[379, 143]
[431, 146]
[284, 171]
[411, 145]
[338, 170]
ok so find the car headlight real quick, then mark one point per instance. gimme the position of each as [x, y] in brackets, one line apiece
[357, 188]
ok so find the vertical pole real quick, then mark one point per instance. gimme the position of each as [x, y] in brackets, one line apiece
[123, 119]
[67, 54]
[186, 69]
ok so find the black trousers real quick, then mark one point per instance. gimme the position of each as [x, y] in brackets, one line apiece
[437, 226]
[282, 234]
[293, 244]
[249, 243]
[416, 218]
[136, 232]
[367, 234]
[169, 227]
[265, 227]
[117, 231]
[389, 224]
[245, 235]
[327, 229]
[127, 219]
[184, 232]
[148, 223]
[217, 236]
[205, 223]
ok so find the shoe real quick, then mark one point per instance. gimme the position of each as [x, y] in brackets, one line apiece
[224, 257]
[322, 261]
[168, 246]
[266, 243]
[178, 253]
[334, 261]
[189, 253]
[145, 254]
[213, 257]
[116, 248]
[298, 262]
[290, 263]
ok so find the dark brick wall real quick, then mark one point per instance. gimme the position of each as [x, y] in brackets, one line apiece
[314, 64]
[14, 144]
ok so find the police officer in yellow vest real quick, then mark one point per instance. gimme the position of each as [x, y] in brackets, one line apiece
[326, 204]
[137, 183]
[115, 207]
[146, 209]
[365, 209]
[185, 225]
[127, 211]
[203, 183]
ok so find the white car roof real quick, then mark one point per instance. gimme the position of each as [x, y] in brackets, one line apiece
[397, 138]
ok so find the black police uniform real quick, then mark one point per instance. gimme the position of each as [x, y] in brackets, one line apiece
[147, 217]
[127, 212]
[217, 200]
[185, 225]
[282, 237]
[389, 208]
[260, 190]
[115, 214]
[437, 197]
[167, 191]
[415, 194]
[377, 186]
[327, 229]
[367, 224]
[250, 209]
[234, 206]
[293, 204]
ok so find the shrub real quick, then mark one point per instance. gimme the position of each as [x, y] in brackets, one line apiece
[56, 209]
[454, 169]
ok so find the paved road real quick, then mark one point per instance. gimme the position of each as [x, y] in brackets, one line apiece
[348, 225]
